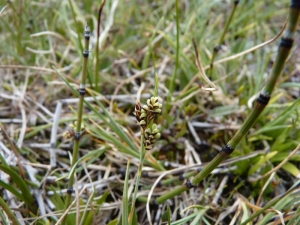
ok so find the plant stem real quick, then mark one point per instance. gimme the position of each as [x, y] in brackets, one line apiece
[77, 133]
[138, 177]
[125, 196]
[97, 47]
[173, 79]
[76, 24]
[18, 30]
[261, 102]
[217, 48]
[8, 212]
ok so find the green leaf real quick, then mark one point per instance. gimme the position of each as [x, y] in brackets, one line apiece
[169, 214]
[197, 219]
[224, 110]
[185, 219]
[125, 203]
[11, 216]
[19, 181]
[113, 222]
[261, 162]
[280, 121]
[292, 169]
[12, 190]
[3, 218]
[60, 205]
[92, 155]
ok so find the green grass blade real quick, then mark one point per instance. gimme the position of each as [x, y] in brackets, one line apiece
[125, 202]
[12, 190]
[8, 212]
[28, 198]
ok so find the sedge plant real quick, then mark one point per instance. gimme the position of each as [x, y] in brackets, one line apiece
[145, 116]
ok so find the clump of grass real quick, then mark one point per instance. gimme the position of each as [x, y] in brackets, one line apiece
[145, 116]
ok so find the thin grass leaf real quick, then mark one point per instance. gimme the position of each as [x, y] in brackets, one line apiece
[280, 206]
[185, 219]
[197, 219]
[113, 222]
[169, 214]
[125, 202]
[281, 200]
[77, 26]
[90, 215]
[59, 206]
[261, 162]
[3, 218]
[96, 80]
[28, 198]
[278, 122]
[91, 155]
[292, 169]
[8, 212]
[174, 75]
[12, 190]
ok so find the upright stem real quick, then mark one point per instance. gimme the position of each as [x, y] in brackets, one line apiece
[216, 48]
[97, 47]
[173, 79]
[138, 177]
[261, 102]
[76, 24]
[18, 29]
[11, 216]
[77, 133]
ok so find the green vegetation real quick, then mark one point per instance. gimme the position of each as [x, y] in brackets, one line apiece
[188, 109]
